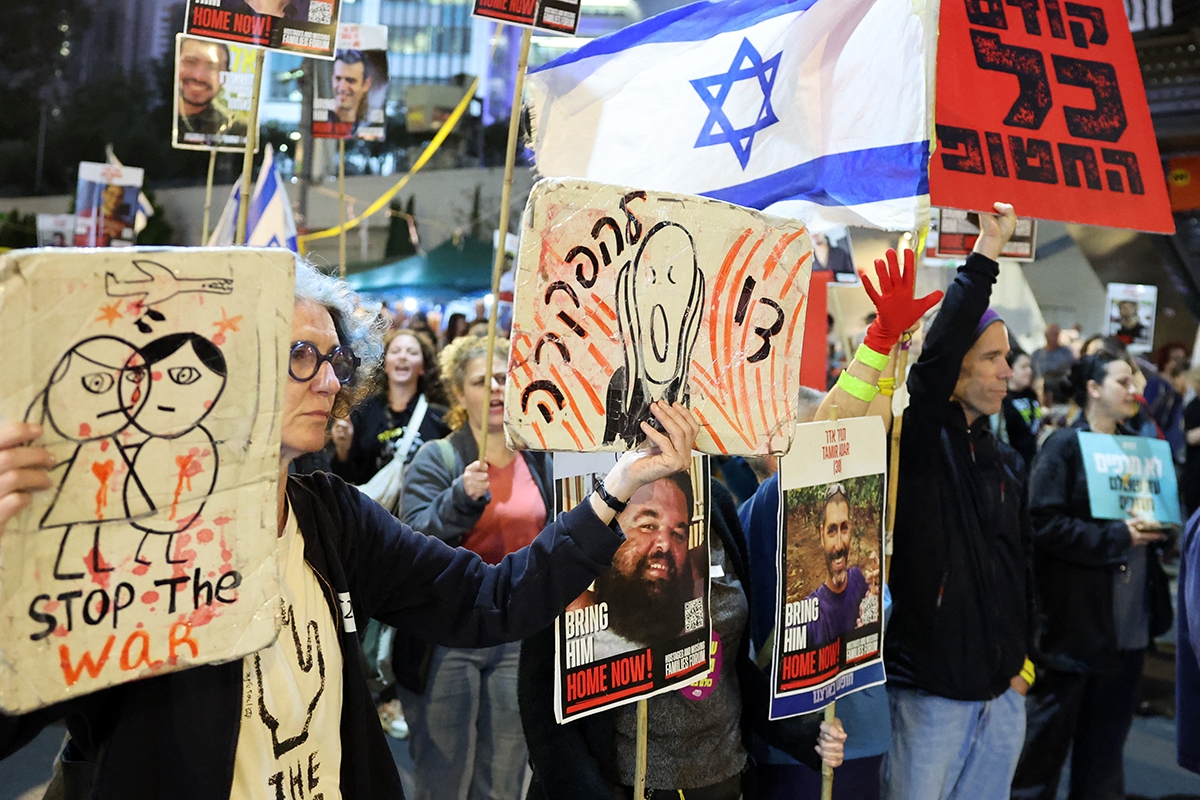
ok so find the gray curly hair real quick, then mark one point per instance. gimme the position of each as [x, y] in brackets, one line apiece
[359, 325]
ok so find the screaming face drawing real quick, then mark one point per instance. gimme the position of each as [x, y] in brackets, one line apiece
[660, 296]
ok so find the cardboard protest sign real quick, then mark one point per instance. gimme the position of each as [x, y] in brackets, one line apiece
[156, 374]
[106, 202]
[1130, 475]
[214, 85]
[953, 234]
[307, 27]
[641, 628]
[350, 97]
[624, 297]
[829, 617]
[558, 16]
[1043, 104]
[55, 230]
[1131, 310]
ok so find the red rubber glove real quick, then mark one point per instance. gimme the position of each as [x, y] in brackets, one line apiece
[896, 308]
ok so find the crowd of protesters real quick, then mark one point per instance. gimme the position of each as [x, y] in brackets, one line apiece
[1017, 623]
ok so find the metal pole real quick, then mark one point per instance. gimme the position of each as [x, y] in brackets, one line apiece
[212, 165]
[510, 158]
[342, 207]
[251, 143]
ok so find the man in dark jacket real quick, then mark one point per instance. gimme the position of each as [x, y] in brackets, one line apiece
[958, 633]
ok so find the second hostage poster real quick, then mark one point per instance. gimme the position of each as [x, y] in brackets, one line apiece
[641, 628]
[829, 611]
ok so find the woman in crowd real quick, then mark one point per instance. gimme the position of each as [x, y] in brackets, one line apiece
[211, 731]
[406, 392]
[1102, 594]
[464, 726]
[1021, 411]
[1191, 426]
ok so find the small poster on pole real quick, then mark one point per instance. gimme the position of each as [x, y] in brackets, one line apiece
[1131, 311]
[55, 230]
[557, 16]
[1130, 475]
[953, 233]
[156, 377]
[307, 27]
[350, 95]
[829, 615]
[106, 203]
[641, 628]
[214, 85]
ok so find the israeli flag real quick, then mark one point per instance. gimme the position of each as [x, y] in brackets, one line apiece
[269, 221]
[818, 110]
[144, 210]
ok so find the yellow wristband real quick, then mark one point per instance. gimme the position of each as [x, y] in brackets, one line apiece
[865, 355]
[1028, 674]
[856, 387]
[887, 386]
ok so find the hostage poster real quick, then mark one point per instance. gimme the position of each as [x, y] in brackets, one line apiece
[214, 84]
[641, 628]
[155, 374]
[829, 614]
[106, 202]
[624, 297]
[1131, 312]
[350, 97]
[306, 27]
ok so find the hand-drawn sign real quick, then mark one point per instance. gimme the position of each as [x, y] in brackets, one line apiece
[625, 297]
[1042, 103]
[154, 376]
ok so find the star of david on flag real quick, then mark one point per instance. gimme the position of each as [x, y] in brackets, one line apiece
[269, 220]
[814, 109]
[747, 65]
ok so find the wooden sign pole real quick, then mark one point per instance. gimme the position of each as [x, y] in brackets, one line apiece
[639, 753]
[830, 710]
[212, 165]
[251, 144]
[510, 157]
[342, 208]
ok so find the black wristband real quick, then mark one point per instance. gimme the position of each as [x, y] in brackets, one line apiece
[610, 501]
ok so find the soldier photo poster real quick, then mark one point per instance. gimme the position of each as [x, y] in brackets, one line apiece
[156, 376]
[350, 92]
[1131, 311]
[305, 27]
[829, 617]
[55, 230]
[106, 202]
[214, 84]
[643, 627]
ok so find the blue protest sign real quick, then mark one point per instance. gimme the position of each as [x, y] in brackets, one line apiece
[1130, 474]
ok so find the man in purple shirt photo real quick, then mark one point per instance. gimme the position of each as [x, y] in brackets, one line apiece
[839, 596]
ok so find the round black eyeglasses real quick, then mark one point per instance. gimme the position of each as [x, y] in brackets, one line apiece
[306, 360]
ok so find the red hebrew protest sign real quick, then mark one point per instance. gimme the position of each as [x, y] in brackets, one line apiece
[1042, 104]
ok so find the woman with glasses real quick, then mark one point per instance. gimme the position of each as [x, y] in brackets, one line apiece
[248, 727]
[461, 705]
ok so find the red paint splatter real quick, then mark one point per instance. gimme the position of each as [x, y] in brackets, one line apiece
[104, 446]
[212, 574]
[156, 376]
[221, 521]
[207, 404]
[204, 536]
[61, 630]
[85, 430]
[189, 467]
[201, 616]
[218, 339]
[226, 567]
[52, 605]
[142, 625]
[141, 569]
[150, 597]
[99, 576]
[226, 553]
[103, 470]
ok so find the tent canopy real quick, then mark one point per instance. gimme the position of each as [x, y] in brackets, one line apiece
[459, 268]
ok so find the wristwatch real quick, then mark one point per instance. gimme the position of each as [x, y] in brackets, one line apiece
[616, 505]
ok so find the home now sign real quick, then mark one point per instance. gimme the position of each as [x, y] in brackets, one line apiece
[1041, 103]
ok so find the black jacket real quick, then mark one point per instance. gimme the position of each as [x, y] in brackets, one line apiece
[371, 418]
[959, 571]
[578, 760]
[176, 735]
[1075, 557]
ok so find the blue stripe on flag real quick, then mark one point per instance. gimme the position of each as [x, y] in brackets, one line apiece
[860, 176]
[259, 204]
[697, 22]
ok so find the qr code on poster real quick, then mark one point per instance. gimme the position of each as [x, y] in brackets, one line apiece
[320, 13]
[693, 615]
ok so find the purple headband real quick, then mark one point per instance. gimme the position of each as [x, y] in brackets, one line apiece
[987, 319]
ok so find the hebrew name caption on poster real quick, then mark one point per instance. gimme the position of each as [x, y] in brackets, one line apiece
[624, 297]
[350, 97]
[1130, 475]
[829, 615]
[155, 375]
[307, 27]
[641, 628]
[214, 84]
[1044, 103]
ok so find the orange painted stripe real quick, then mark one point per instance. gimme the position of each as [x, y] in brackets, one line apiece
[599, 320]
[571, 402]
[591, 393]
[736, 428]
[719, 283]
[537, 431]
[775, 390]
[787, 285]
[571, 431]
[603, 306]
[728, 331]
[777, 253]
[762, 408]
[716, 439]
[601, 360]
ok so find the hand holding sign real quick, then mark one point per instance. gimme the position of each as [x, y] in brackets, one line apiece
[670, 451]
[1143, 532]
[995, 230]
[22, 469]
